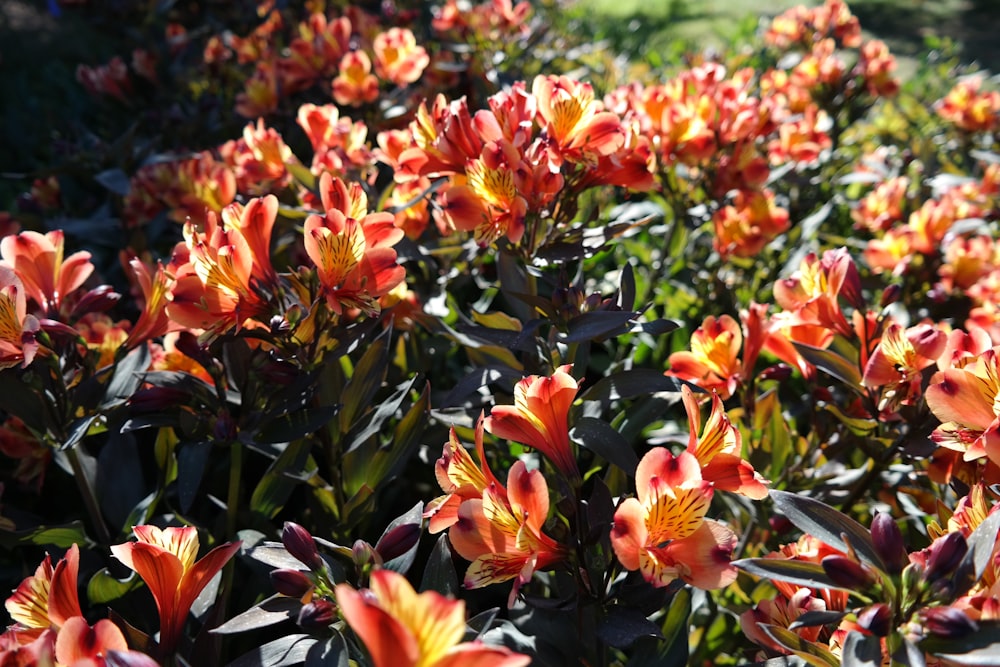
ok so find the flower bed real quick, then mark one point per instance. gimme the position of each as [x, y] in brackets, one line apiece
[450, 339]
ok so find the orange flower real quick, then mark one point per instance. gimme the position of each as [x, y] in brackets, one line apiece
[37, 259]
[896, 364]
[355, 85]
[748, 224]
[970, 109]
[153, 322]
[48, 598]
[258, 160]
[398, 58]
[260, 93]
[403, 628]
[574, 120]
[213, 289]
[165, 559]
[538, 417]
[460, 478]
[352, 248]
[966, 401]
[718, 448]
[813, 292]
[713, 362]
[883, 206]
[79, 641]
[663, 532]
[17, 328]
[502, 533]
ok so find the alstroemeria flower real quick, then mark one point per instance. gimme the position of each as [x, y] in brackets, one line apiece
[460, 478]
[352, 249]
[713, 362]
[574, 120]
[17, 328]
[538, 417]
[79, 643]
[896, 364]
[155, 286]
[165, 559]
[718, 448]
[37, 259]
[403, 628]
[48, 598]
[355, 85]
[502, 533]
[966, 401]
[398, 57]
[663, 532]
[813, 292]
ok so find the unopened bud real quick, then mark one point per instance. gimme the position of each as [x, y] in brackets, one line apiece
[301, 545]
[947, 622]
[363, 554]
[97, 300]
[888, 542]
[398, 541]
[779, 372]
[847, 573]
[877, 619]
[946, 553]
[890, 295]
[318, 615]
[293, 583]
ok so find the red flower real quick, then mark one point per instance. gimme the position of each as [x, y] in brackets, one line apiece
[165, 559]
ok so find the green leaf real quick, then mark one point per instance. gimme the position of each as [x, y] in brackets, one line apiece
[827, 525]
[629, 384]
[832, 364]
[439, 573]
[622, 626]
[295, 425]
[861, 651]
[597, 325]
[281, 478]
[803, 573]
[275, 609]
[368, 375]
[814, 654]
[376, 419]
[63, 536]
[289, 650]
[856, 425]
[601, 438]
[103, 588]
[128, 377]
[979, 649]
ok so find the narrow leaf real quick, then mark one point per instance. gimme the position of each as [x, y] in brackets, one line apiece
[827, 525]
[290, 650]
[601, 438]
[861, 651]
[803, 573]
[832, 364]
[273, 610]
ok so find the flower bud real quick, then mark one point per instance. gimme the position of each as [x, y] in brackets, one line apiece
[877, 619]
[301, 545]
[847, 573]
[779, 372]
[97, 300]
[318, 615]
[888, 542]
[363, 554]
[946, 553]
[398, 541]
[890, 295]
[947, 622]
[293, 583]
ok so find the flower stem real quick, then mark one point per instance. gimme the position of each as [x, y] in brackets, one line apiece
[89, 499]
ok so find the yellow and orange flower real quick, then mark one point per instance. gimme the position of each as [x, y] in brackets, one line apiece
[713, 362]
[38, 261]
[896, 364]
[153, 321]
[969, 108]
[718, 448]
[17, 329]
[355, 85]
[813, 292]
[663, 532]
[501, 534]
[165, 559]
[460, 478]
[752, 221]
[539, 416]
[403, 628]
[574, 121]
[352, 249]
[48, 598]
[398, 58]
[965, 399]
